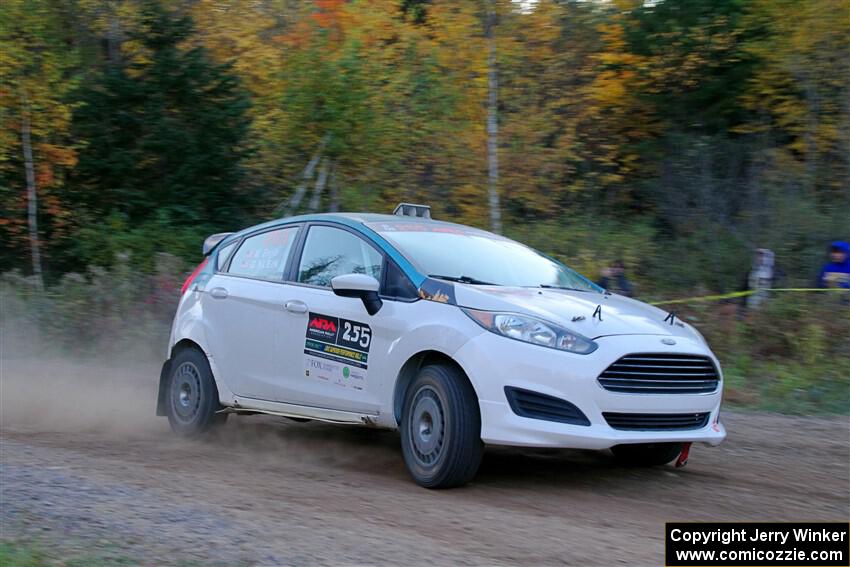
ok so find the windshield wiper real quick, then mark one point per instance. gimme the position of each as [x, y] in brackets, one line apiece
[550, 286]
[461, 279]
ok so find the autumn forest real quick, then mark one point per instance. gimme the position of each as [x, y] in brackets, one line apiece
[676, 135]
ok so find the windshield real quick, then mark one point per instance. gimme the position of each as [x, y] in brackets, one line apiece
[470, 255]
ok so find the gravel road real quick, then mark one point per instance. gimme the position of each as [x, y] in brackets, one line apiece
[84, 465]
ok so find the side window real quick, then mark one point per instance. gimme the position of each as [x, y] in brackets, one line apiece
[264, 255]
[330, 252]
[397, 284]
[223, 255]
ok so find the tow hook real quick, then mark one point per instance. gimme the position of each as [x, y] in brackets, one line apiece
[683, 456]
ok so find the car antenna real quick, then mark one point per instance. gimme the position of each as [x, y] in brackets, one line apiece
[598, 312]
[671, 317]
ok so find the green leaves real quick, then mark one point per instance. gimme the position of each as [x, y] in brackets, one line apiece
[718, 125]
[165, 134]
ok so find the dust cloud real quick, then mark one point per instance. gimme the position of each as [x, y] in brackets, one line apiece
[102, 399]
[52, 393]
[46, 389]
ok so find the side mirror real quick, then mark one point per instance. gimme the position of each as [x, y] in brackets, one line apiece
[362, 286]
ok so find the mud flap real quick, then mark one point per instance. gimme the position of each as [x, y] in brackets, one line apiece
[682, 460]
[163, 385]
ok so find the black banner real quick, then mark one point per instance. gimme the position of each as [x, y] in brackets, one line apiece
[804, 544]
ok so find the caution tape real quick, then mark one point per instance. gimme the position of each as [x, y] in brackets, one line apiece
[736, 294]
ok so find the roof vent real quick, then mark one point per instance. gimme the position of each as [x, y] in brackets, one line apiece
[413, 210]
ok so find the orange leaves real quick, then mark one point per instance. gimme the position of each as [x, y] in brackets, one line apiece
[329, 15]
[49, 157]
[297, 37]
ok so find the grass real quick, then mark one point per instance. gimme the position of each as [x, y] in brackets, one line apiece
[42, 553]
[19, 553]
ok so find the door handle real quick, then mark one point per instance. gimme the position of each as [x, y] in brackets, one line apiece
[295, 306]
[218, 292]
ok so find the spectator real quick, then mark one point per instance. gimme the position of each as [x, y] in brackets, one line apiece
[614, 279]
[836, 272]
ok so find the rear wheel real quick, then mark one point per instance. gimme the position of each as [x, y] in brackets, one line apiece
[441, 428]
[192, 396]
[647, 454]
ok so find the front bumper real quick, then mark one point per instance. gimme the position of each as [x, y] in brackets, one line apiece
[493, 362]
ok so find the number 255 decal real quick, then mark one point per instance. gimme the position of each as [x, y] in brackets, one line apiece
[356, 334]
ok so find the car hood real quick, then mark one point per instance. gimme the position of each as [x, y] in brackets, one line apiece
[575, 310]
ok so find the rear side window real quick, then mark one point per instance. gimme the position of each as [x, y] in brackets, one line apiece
[223, 255]
[264, 255]
[330, 252]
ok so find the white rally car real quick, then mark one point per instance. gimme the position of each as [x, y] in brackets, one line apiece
[456, 336]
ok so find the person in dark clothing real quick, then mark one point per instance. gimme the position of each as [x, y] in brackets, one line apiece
[614, 279]
[836, 272]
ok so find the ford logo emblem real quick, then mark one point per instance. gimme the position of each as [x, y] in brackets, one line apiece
[668, 341]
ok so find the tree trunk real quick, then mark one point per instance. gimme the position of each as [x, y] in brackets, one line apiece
[306, 175]
[812, 119]
[32, 199]
[492, 123]
[334, 190]
[113, 36]
[316, 199]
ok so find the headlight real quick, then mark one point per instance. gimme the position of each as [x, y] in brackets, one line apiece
[532, 330]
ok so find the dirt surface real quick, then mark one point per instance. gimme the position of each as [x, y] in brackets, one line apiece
[84, 465]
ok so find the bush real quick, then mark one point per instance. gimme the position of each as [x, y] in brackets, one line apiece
[101, 311]
[793, 355]
[100, 244]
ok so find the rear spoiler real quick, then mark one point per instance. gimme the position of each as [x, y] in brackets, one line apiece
[212, 241]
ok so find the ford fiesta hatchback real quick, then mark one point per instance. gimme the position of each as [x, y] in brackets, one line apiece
[458, 337]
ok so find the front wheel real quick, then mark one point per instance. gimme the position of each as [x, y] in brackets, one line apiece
[192, 396]
[647, 454]
[441, 428]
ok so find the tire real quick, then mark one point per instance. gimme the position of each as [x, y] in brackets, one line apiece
[192, 397]
[441, 428]
[647, 454]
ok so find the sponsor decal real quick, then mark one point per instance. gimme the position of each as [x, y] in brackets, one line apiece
[322, 327]
[336, 350]
[441, 292]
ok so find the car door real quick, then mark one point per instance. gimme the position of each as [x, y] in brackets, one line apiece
[243, 306]
[330, 339]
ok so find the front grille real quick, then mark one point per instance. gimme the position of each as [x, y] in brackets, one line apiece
[534, 405]
[656, 421]
[661, 374]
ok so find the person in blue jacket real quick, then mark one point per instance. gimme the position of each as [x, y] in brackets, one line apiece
[836, 273]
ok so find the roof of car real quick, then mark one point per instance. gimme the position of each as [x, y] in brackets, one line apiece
[373, 217]
[363, 218]
[342, 217]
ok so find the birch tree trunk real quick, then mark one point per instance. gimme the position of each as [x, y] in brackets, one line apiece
[306, 175]
[32, 198]
[334, 189]
[492, 122]
[316, 199]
